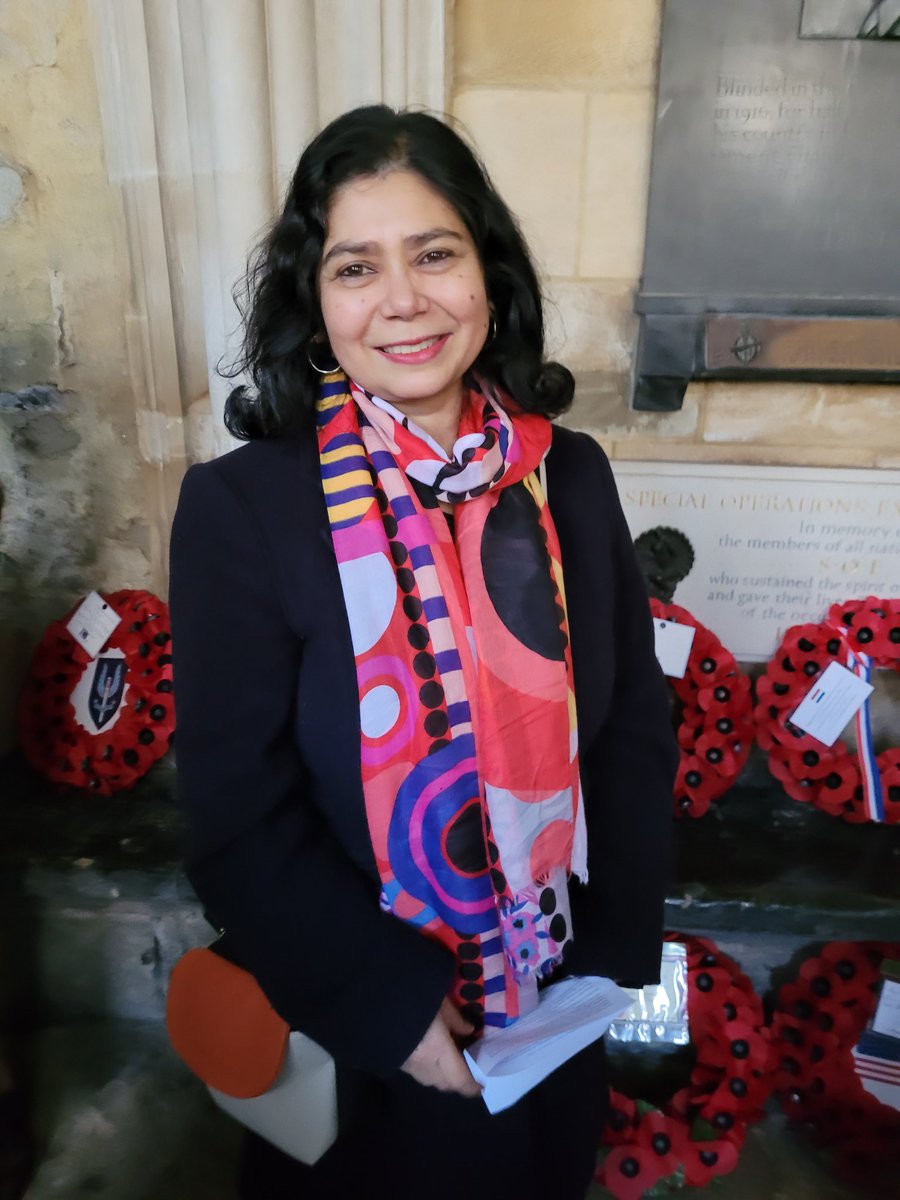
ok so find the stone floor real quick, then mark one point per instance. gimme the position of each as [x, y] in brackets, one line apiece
[118, 1118]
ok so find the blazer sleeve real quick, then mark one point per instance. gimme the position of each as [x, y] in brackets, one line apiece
[299, 913]
[628, 771]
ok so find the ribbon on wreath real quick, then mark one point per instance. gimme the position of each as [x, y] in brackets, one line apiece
[873, 796]
[860, 665]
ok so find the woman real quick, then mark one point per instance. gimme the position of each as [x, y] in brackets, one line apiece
[376, 654]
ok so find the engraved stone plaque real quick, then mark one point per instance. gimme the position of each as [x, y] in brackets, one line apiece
[775, 546]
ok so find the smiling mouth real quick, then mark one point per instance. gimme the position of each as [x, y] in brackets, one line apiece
[403, 348]
[414, 353]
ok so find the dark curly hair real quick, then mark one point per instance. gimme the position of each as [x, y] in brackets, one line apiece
[279, 298]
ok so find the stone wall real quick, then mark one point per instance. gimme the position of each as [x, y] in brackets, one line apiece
[73, 509]
[559, 96]
[560, 99]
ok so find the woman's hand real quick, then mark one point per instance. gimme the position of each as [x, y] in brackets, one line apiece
[436, 1061]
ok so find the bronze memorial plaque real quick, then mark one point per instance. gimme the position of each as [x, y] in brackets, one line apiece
[772, 214]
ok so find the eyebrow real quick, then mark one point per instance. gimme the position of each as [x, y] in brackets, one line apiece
[414, 241]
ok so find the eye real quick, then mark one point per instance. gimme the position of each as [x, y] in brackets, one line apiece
[353, 271]
[436, 255]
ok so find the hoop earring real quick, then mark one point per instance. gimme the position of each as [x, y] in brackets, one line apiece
[321, 370]
[492, 331]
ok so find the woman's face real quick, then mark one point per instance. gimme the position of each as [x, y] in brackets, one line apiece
[402, 291]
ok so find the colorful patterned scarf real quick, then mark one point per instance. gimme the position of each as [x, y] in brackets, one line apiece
[467, 714]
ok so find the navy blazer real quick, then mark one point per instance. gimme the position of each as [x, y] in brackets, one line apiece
[268, 748]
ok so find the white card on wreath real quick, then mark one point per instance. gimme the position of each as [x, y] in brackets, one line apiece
[887, 1012]
[831, 702]
[92, 623]
[672, 643]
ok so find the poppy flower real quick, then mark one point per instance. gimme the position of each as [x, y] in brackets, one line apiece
[690, 727]
[704, 1160]
[704, 953]
[620, 1120]
[801, 790]
[838, 787]
[737, 1046]
[886, 644]
[855, 969]
[815, 764]
[708, 662]
[740, 1093]
[783, 669]
[842, 615]
[629, 1171]
[820, 1059]
[797, 1001]
[769, 730]
[889, 766]
[716, 751]
[871, 635]
[766, 691]
[707, 988]
[727, 694]
[681, 1103]
[739, 1004]
[665, 1138]
[695, 786]
[717, 697]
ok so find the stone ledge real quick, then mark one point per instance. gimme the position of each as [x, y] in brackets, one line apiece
[756, 849]
[43, 824]
[760, 849]
[97, 909]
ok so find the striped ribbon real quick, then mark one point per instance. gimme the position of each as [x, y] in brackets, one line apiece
[873, 796]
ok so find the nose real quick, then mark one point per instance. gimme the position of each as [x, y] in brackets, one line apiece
[402, 297]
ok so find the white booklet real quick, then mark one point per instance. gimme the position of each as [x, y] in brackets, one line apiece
[570, 1015]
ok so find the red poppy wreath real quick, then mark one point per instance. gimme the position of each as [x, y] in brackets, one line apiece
[699, 1132]
[856, 786]
[817, 1021]
[100, 723]
[715, 729]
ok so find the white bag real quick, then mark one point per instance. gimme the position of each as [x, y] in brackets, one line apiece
[298, 1113]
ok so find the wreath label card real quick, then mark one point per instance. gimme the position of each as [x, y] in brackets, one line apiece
[92, 623]
[832, 701]
[673, 643]
[887, 1014]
